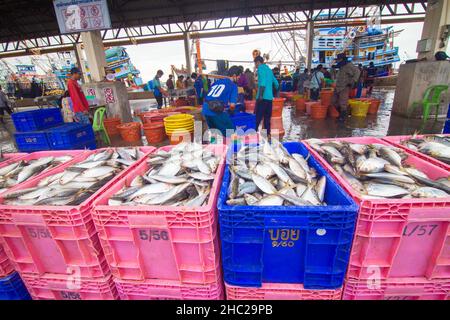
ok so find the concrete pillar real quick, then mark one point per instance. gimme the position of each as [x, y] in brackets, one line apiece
[309, 43]
[437, 22]
[81, 62]
[95, 54]
[187, 52]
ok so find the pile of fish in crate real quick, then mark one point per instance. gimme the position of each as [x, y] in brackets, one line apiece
[402, 234]
[312, 220]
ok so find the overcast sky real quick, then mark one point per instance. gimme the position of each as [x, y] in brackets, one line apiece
[148, 58]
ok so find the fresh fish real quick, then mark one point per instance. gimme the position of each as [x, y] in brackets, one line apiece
[236, 202]
[170, 169]
[97, 172]
[391, 156]
[320, 188]
[247, 188]
[385, 190]
[390, 177]
[269, 201]
[372, 165]
[429, 192]
[264, 185]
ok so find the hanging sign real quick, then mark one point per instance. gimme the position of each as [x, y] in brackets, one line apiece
[82, 15]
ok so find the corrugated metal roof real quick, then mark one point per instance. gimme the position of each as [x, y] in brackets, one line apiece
[28, 19]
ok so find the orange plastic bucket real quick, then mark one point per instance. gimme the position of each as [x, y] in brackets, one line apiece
[332, 112]
[130, 132]
[277, 107]
[111, 126]
[180, 137]
[326, 96]
[300, 105]
[318, 111]
[374, 106]
[154, 132]
[250, 106]
[309, 104]
[276, 123]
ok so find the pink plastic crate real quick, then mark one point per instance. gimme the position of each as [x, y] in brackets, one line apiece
[12, 156]
[59, 287]
[399, 237]
[41, 154]
[397, 289]
[168, 290]
[54, 239]
[396, 141]
[5, 265]
[282, 291]
[183, 246]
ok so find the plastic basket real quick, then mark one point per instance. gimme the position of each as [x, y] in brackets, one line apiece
[397, 289]
[160, 242]
[32, 141]
[12, 288]
[5, 265]
[308, 245]
[71, 136]
[280, 291]
[399, 237]
[35, 120]
[54, 239]
[243, 122]
[168, 290]
[397, 140]
[12, 156]
[75, 154]
[58, 287]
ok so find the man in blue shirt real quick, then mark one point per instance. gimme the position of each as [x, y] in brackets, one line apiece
[198, 86]
[224, 92]
[157, 90]
[264, 96]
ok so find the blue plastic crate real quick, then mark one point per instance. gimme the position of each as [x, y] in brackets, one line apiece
[447, 127]
[243, 122]
[70, 136]
[36, 120]
[306, 245]
[32, 141]
[12, 288]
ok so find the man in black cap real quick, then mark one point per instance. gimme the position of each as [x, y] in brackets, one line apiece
[441, 56]
[347, 77]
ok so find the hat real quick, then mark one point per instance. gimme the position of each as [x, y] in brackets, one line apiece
[441, 56]
[75, 70]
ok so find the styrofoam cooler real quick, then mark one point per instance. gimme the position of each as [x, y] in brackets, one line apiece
[398, 238]
[280, 291]
[288, 244]
[161, 242]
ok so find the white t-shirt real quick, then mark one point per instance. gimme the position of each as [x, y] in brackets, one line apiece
[316, 79]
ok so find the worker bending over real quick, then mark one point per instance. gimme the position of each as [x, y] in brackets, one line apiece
[223, 93]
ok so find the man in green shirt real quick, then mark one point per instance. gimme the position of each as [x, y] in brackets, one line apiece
[264, 96]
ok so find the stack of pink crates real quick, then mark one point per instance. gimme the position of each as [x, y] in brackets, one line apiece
[401, 248]
[162, 252]
[56, 249]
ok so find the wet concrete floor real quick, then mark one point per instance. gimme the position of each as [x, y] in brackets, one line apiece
[299, 127]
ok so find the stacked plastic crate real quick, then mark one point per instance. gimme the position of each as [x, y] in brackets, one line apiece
[162, 252]
[56, 249]
[43, 129]
[401, 246]
[286, 252]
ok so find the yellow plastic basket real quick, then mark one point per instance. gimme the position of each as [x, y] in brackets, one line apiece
[360, 108]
